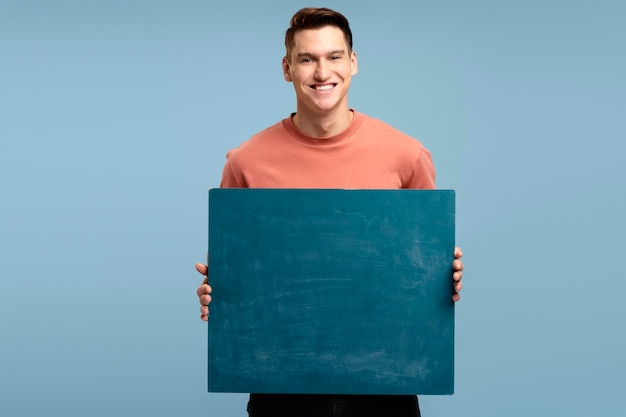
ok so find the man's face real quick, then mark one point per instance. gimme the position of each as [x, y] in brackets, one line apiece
[320, 66]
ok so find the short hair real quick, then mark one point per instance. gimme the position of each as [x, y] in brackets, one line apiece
[315, 18]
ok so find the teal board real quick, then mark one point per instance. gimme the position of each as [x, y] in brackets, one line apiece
[331, 291]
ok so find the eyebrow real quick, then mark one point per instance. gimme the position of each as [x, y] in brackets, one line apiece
[335, 52]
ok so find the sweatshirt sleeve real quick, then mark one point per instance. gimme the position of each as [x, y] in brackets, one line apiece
[229, 176]
[423, 177]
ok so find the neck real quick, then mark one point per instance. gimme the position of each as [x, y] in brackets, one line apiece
[325, 124]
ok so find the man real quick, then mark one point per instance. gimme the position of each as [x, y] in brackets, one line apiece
[326, 144]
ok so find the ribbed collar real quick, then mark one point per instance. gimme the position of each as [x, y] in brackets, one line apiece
[291, 128]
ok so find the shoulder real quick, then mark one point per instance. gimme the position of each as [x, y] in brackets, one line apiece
[387, 134]
[258, 142]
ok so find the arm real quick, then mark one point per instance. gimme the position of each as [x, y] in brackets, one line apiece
[204, 291]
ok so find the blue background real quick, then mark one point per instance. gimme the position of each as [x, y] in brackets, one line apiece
[114, 120]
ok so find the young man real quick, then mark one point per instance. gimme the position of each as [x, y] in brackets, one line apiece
[326, 144]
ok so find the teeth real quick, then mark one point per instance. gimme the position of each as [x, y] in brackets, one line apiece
[323, 87]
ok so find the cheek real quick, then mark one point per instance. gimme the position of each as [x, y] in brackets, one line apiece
[299, 77]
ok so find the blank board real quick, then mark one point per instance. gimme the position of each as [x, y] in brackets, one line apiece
[331, 291]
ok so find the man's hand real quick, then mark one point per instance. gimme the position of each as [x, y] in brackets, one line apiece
[204, 291]
[457, 274]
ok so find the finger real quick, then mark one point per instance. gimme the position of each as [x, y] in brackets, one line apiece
[457, 276]
[457, 265]
[458, 286]
[204, 289]
[205, 300]
[456, 297]
[204, 313]
[202, 268]
[458, 253]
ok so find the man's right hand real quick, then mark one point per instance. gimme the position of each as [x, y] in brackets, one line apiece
[204, 292]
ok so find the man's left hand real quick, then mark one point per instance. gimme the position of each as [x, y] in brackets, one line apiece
[457, 273]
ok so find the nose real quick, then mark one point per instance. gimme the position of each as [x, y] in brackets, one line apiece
[322, 71]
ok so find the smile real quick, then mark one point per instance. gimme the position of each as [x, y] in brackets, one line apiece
[326, 87]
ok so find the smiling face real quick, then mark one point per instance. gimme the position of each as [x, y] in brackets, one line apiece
[320, 65]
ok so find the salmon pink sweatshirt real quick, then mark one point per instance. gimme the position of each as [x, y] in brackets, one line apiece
[369, 154]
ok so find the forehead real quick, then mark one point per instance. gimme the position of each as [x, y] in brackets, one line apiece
[319, 41]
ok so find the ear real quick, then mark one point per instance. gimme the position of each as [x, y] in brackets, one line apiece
[286, 70]
[354, 64]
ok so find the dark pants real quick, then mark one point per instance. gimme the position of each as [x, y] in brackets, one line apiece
[291, 405]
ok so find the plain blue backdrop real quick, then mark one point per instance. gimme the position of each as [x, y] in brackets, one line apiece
[114, 120]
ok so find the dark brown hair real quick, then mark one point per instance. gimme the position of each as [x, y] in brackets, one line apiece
[315, 18]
